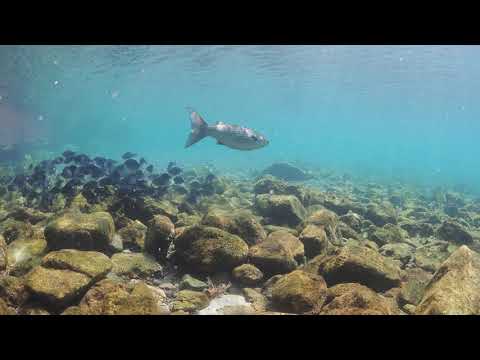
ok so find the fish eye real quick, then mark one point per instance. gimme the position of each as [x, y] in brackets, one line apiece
[254, 138]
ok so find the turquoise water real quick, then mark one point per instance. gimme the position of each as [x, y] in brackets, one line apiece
[406, 113]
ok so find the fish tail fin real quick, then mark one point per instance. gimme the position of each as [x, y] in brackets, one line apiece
[199, 128]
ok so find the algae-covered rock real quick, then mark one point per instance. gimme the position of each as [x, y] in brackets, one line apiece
[160, 234]
[58, 288]
[12, 230]
[241, 223]
[24, 254]
[389, 233]
[135, 266]
[75, 230]
[282, 209]
[3, 254]
[299, 292]
[287, 172]
[256, 298]
[13, 290]
[133, 235]
[314, 239]
[207, 249]
[247, 274]
[190, 301]
[5, 309]
[270, 184]
[279, 253]
[91, 263]
[414, 228]
[326, 219]
[381, 214]
[27, 215]
[361, 265]
[430, 256]
[413, 288]
[398, 251]
[109, 297]
[272, 228]
[454, 232]
[356, 299]
[353, 220]
[190, 283]
[455, 286]
[147, 208]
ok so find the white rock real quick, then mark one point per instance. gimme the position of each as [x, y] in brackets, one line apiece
[217, 305]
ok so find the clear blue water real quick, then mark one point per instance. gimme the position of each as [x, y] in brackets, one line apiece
[408, 113]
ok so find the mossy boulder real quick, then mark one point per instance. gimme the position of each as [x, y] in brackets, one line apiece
[455, 286]
[135, 266]
[353, 220]
[270, 184]
[190, 301]
[398, 251]
[452, 231]
[279, 253]
[57, 288]
[430, 256]
[381, 214]
[415, 228]
[281, 209]
[5, 309]
[208, 249]
[326, 219]
[91, 263]
[247, 274]
[299, 292]
[314, 239]
[356, 299]
[13, 290]
[241, 223]
[24, 254]
[413, 287]
[272, 228]
[109, 297]
[387, 234]
[146, 208]
[75, 230]
[342, 206]
[133, 235]
[160, 234]
[190, 283]
[27, 215]
[12, 230]
[360, 265]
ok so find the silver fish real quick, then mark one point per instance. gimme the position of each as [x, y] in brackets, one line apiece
[233, 136]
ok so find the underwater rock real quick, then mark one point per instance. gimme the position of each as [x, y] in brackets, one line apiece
[381, 214]
[208, 249]
[272, 228]
[343, 206]
[355, 299]
[413, 288]
[430, 256]
[190, 301]
[184, 219]
[241, 223]
[282, 209]
[247, 274]
[422, 229]
[13, 290]
[57, 288]
[326, 219]
[279, 253]
[109, 297]
[24, 254]
[190, 283]
[287, 172]
[455, 286]
[160, 234]
[91, 263]
[389, 233]
[228, 304]
[452, 231]
[12, 230]
[147, 208]
[299, 292]
[81, 231]
[133, 235]
[398, 251]
[257, 300]
[353, 220]
[5, 309]
[361, 265]
[25, 215]
[3, 254]
[135, 266]
[33, 309]
[314, 239]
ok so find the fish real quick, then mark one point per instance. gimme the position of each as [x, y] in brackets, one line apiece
[68, 154]
[142, 161]
[175, 170]
[178, 180]
[161, 179]
[132, 164]
[149, 168]
[128, 155]
[233, 136]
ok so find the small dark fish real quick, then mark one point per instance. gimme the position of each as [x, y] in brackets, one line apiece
[180, 189]
[195, 184]
[94, 171]
[210, 178]
[178, 180]
[58, 160]
[106, 181]
[142, 161]
[82, 159]
[30, 167]
[12, 187]
[161, 180]
[149, 168]
[128, 155]
[100, 161]
[109, 164]
[132, 164]
[69, 171]
[91, 185]
[175, 170]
